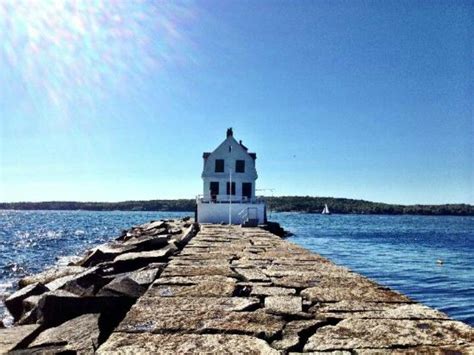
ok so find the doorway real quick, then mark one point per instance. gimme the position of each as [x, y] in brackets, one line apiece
[214, 190]
[247, 189]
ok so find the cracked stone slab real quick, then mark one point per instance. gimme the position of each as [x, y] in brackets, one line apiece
[296, 281]
[252, 274]
[50, 275]
[195, 270]
[181, 313]
[145, 256]
[291, 333]
[357, 309]
[80, 334]
[258, 323]
[283, 304]
[259, 290]
[191, 280]
[203, 289]
[315, 269]
[352, 289]
[145, 343]
[389, 333]
[180, 261]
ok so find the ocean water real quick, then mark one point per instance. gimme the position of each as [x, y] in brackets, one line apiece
[31, 241]
[398, 251]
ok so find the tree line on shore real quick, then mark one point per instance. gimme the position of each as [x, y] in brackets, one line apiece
[306, 204]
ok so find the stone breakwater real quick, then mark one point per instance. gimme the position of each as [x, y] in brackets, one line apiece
[223, 290]
[75, 308]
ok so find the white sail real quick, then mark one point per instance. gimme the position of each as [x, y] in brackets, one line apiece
[326, 210]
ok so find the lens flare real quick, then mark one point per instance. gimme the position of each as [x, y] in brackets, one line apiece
[65, 52]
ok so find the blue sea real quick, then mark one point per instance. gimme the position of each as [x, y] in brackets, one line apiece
[398, 251]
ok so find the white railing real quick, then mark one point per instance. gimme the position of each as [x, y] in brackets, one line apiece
[229, 198]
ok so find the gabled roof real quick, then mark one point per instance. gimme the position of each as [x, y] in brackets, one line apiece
[230, 135]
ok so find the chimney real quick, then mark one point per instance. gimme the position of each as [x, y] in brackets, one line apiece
[229, 132]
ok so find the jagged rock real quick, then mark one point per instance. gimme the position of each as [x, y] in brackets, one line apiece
[14, 303]
[133, 261]
[54, 309]
[145, 277]
[122, 286]
[156, 232]
[30, 305]
[86, 283]
[16, 336]
[389, 333]
[283, 304]
[154, 225]
[184, 238]
[145, 343]
[50, 275]
[80, 334]
[147, 242]
[107, 252]
[58, 283]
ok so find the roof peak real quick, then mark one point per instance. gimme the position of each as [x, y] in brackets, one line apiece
[230, 132]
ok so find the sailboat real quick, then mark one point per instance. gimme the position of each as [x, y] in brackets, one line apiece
[325, 210]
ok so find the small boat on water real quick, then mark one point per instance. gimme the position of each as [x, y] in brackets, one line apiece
[326, 209]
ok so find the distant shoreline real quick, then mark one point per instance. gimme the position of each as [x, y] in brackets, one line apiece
[305, 204]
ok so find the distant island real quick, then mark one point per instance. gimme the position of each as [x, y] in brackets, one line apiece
[305, 204]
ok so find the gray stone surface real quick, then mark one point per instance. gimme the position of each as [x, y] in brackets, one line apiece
[12, 337]
[122, 287]
[49, 275]
[14, 303]
[357, 309]
[244, 290]
[80, 334]
[355, 333]
[199, 270]
[259, 290]
[337, 289]
[146, 343]
[144, 277]
[252, 274]
[283, 304]
[291, 333]
[204, 289]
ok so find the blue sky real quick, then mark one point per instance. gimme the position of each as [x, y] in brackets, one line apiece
[360, 99]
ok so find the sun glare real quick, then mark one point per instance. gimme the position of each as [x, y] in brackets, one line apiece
[65, 51]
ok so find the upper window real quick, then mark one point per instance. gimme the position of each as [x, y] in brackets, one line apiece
[240, 166]
[219, 165]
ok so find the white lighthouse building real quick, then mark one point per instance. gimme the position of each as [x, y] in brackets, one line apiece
[229, 177]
